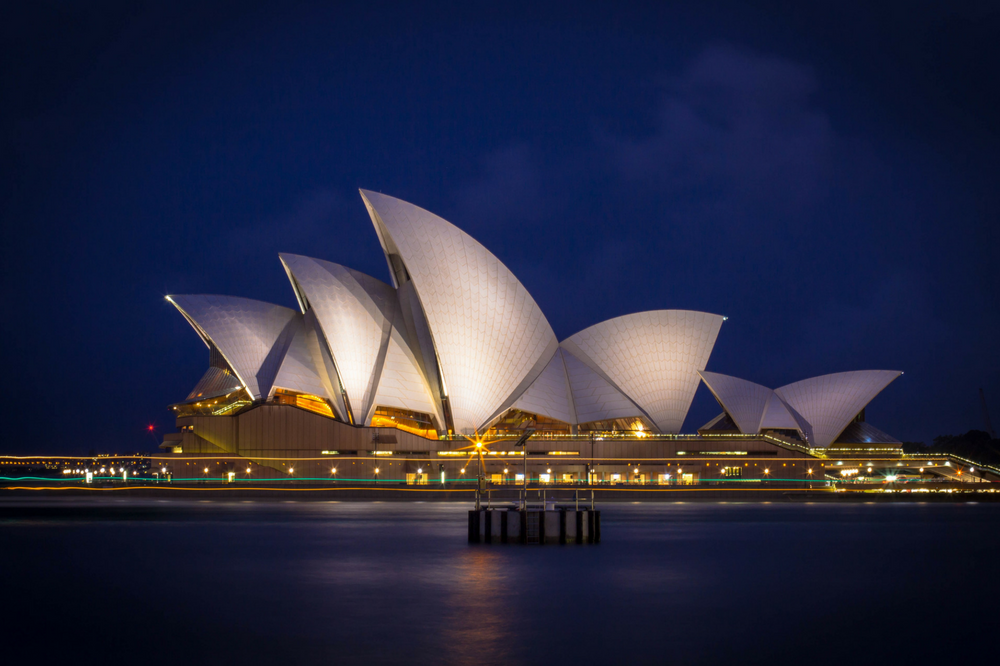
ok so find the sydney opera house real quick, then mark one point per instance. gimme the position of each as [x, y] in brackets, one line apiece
[373, 381]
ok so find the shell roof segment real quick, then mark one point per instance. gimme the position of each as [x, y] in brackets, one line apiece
[594, 397]
[550, 395]
[830, 402]
[251, 335]
[299, 369]
[776, 415]
[401, 383]
[355, 312]
[653, 358]
[489, 334]
[215, 382]
[362, 320]
[744, 401]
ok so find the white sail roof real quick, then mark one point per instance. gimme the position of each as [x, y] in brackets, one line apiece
[653, 358]
[594, 397]
[421, 343]
[402, 384]
[550, 395]
[776, 415]
[299, 370]
[744, 401]
[319, 351]
[355, 312]
[819, 408]
[489, 334]
[830, 402]
[458, 324]
[362, 322]
[251, 335]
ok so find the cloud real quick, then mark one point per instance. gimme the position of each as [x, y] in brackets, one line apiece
[734, 124]
[737, 142]
[739, 158]
[507, 190]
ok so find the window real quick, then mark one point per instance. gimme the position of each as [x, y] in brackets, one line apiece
[416, 479]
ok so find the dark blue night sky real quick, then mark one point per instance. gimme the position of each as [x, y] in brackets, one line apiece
[827, 175]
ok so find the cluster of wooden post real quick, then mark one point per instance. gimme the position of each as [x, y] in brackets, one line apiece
[531, 526]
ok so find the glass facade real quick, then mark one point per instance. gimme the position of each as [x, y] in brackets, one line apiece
[313, 403]
[417, 423]
[515, 421]
[631, 425]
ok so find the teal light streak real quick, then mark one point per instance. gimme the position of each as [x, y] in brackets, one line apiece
[41, 478]
[328, 479]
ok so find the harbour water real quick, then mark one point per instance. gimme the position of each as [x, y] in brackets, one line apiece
[170, 582]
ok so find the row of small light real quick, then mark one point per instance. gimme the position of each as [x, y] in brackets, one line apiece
[767, 471]
[103, 470]
[291, 470]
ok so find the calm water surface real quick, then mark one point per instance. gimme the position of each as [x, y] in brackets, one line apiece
[253, 582]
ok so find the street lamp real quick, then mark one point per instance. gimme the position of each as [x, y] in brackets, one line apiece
[522, 442]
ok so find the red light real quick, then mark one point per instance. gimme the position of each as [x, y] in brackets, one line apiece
[150, 428]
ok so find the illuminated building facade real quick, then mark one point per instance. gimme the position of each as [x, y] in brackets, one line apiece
[456, 346]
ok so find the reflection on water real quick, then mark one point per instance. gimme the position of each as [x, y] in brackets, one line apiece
[475, 623]
[276, 582]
